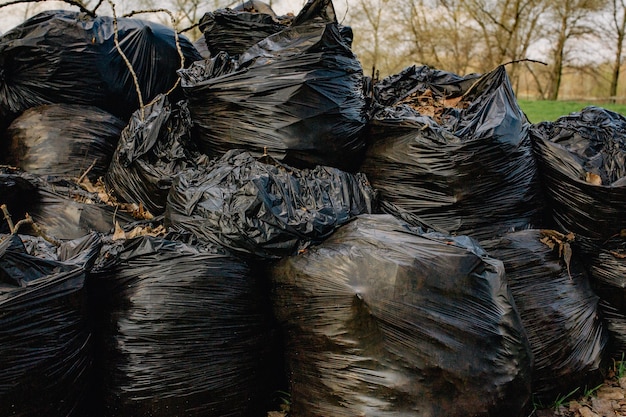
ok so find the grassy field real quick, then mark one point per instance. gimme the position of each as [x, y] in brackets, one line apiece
[546, 110]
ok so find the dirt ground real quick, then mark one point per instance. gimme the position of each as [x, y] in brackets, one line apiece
[609, 400]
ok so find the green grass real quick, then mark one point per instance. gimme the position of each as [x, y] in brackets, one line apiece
[547, 110]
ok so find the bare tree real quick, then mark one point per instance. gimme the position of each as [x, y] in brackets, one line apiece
[375, 34]
[438, 33]
[618, 26]
[572, 20]
[508, 28]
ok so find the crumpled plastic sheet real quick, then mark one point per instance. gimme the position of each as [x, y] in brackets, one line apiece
[60, 208]
[45, 333]
[473, 173]
[234, 31]
[153, 148]
[559, 310]
[417, 79]
[63, 140]
[183, 331]
[297, 94]
[384, 320]
[606, 262]
[262, 208]
[69, 57]
[582, 160]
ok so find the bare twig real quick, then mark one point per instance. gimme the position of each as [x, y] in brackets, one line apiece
[7, 217]
[192, 27]
[37, 229]
[517, 61]
[126, 60]
[82, 177]
[14, 228]
[176, 40]
[97, 6]
[70, 2]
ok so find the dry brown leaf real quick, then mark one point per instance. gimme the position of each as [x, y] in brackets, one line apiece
[146, 231]
[119, 233]
[593, 179]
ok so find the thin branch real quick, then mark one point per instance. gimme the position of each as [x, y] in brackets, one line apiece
[82, 177]
[14, 228]
[125, 58]
[37, 229]
[178, 49]
[192, 27]
[70, 2]
[7, 217]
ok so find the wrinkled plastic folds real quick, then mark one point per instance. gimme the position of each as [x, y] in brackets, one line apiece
[153, 148]
[297, 93]
[606, 263]
[559, 310]
[18, 193]
[183, 331]
[265, 209]
[45, 338]
[69, 57]
[382, 320]
[471, 173]
[60, 208]
[582, 159]
[417, 79]
[63, 140]
[234, 31]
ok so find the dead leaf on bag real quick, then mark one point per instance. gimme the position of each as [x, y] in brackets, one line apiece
[593, 179]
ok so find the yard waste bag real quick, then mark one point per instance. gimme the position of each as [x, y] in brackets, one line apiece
[70, 57]
[416, 80]
[606, 263]
[183, 331]
[60, 209]
[153, 148]
[582, 160]
[263, 209]
[63, 140]
[297, 93]
[235, 30]
[559, 310]
[456, 155]
[18, 193]
[45, 333]
[384, 320]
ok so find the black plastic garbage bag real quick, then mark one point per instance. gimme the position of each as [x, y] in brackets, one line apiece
[70, 57]
[153, 148]
[18, 193]
[606, 262]
[559, 310]
[45, 334]
[418, 79]
[183, 331]
[60, 209]
[67, 211]
[265, 209]
[64, 140]
[382, 320]
[467, 169]
[297, 93]
[582, 160]
[234, 31]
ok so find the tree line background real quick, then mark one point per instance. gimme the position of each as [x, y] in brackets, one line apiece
[579, 43]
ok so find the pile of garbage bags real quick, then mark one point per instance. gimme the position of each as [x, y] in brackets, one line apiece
[215, 224]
